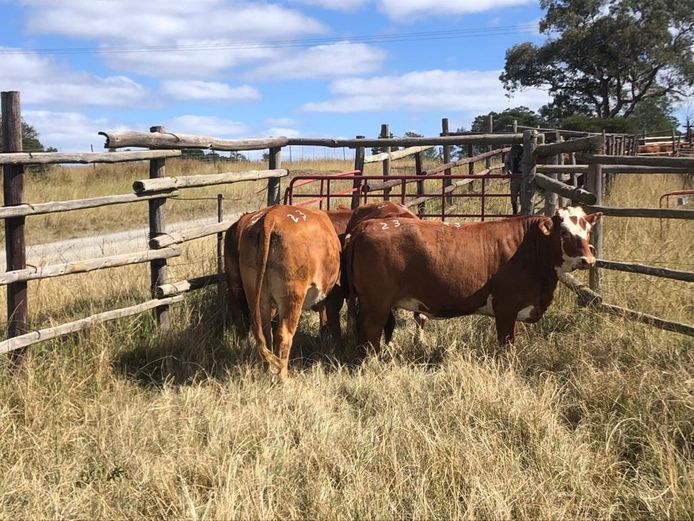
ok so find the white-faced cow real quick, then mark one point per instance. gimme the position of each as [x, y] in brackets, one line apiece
[289, 260]
[507, 269]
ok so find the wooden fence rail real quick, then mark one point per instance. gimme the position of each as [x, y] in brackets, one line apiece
[587, 297]
[7, 212]
[398, 154]
[85, 266]
[145, 186]
[474, 139]
[189, 234]
[175, 141]
[87, 158]
[591, 143]
[612, 169]
[185, 286]
[466, 161]
[578, 195]
[41, 335]
[631, 267]
[647, 213]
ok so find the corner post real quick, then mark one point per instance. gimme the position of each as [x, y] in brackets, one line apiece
[358, 165]
[446, 158]
[551, 199]
[13, 190]
[419, 171]
[157, 169]
[273, 183]
[385, 133]
[528, 169]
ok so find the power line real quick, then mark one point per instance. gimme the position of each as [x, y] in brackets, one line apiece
[469, 32]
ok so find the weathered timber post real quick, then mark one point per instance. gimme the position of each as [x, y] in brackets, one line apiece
[157, 169]
[515, 126]
[13, 190]
[594, 183]
[490, 130]
[528, 169]
[221, 284]
[551, 198]
[563, 201]
[358, 165]
[385, 133]
[446, 158]
[470, 166]
[418, 170]
[674, 143]
[273, 183]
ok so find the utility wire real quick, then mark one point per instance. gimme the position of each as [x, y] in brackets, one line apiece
[469, 32]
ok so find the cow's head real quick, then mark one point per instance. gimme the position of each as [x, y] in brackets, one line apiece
[570, 230]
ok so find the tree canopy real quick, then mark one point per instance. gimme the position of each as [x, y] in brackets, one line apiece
[30, 139]
[503, 121]
[607, 57]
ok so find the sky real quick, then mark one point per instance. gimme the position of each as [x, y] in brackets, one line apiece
[233, 69]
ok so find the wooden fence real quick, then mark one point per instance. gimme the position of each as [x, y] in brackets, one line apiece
[598, 166]
[159, 187]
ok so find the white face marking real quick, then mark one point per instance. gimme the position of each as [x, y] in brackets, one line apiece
[571, 217]
[487, 309]
[526, 313]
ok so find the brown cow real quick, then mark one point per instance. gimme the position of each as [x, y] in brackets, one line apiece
[507, 269]
[289, 260]
[238, 307]
[330, 315]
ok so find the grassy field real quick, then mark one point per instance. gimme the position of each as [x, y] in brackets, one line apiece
[586, 416]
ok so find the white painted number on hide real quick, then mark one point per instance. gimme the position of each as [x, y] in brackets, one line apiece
[302, 215]
[384, 226]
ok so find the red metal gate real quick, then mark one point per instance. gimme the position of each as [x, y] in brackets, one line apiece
[372, 187]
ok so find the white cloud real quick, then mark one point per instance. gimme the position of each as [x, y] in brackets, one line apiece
[412, 9]
[282, 131]
[339, 5]
[206, 126]
[280, 122]
[420, 91]
[42, 80]
[208, 90]
[323, 61]
[191, 38]
[69, 131]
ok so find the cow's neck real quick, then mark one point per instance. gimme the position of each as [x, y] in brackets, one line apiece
[545, 267]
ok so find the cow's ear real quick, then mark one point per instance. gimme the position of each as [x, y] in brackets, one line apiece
[593, 217]
[546, 225]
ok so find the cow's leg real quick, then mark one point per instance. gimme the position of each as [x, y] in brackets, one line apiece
[389, 327]
[331, 314]
[505, 326]
[371, 321]
[290, 313]
[266, 354]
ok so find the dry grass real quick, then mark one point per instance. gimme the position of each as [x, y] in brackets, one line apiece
[587, 416]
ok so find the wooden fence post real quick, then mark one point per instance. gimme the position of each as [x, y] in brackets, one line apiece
[157, 169]
[528, 169]
[594, 183]
[418, 170]
[470, 166]
[674, 143]
[221, 285]
[385, 133]
[273, 183]
[446, 158]
[515, 126]
[358, 165]
[490, 130]
[13, 190]
[551, 199]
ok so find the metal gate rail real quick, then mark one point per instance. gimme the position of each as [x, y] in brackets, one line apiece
[418, 199]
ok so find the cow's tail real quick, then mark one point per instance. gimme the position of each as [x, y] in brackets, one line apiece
[264, 240]
[347, 282]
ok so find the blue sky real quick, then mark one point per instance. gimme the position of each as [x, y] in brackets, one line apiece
[232, 69]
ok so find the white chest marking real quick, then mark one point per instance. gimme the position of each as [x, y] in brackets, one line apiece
[526, 313]
[487, 309]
